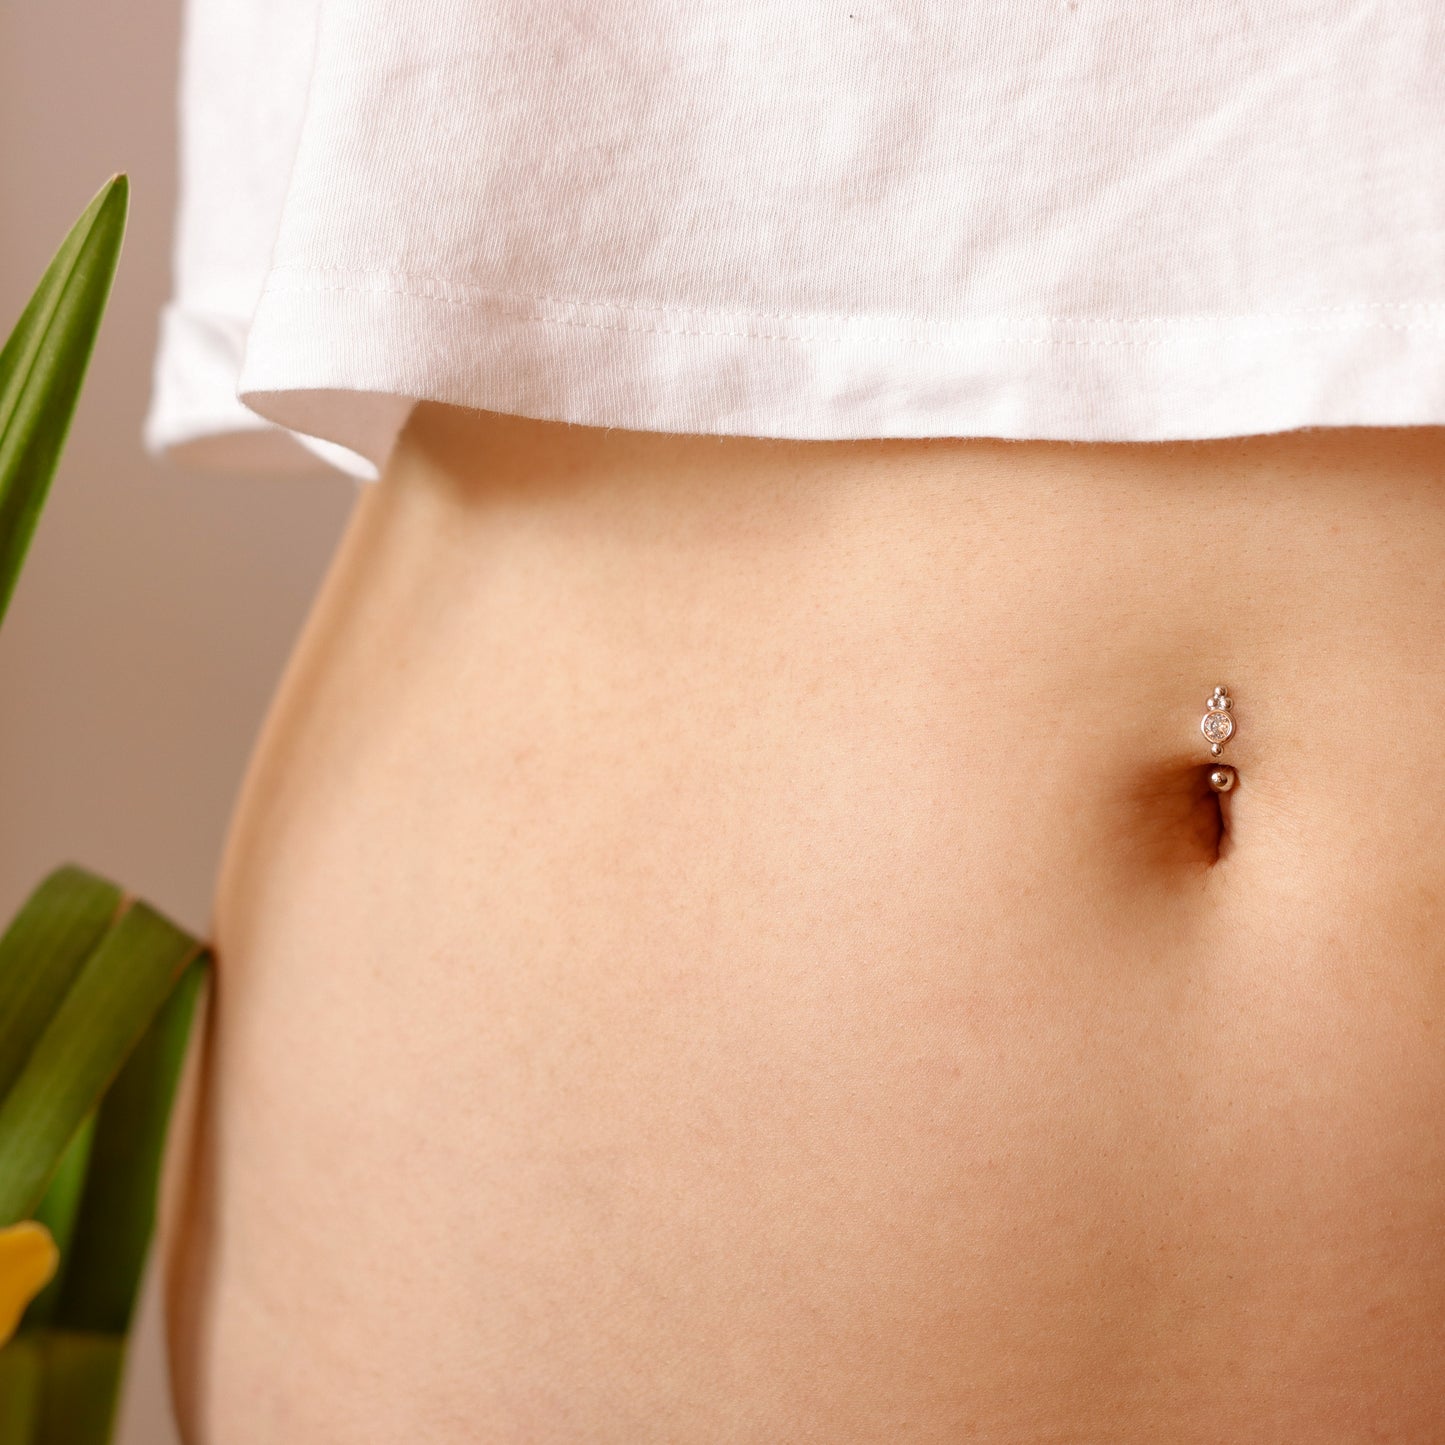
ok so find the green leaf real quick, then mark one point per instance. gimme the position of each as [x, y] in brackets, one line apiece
[58, 1212]
[106, 1011]
[59, 1389]
[42, 952]
[43, 366]
[22, 1381]
[80, 1388]
[60, 1376]
[118, 1211]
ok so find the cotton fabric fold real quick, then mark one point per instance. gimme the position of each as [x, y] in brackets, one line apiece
[1087, 220]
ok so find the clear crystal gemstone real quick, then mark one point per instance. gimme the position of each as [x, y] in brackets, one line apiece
[1217, 726]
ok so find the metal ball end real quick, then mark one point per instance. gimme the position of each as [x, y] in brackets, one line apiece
[1216, 748]
[1221, 779]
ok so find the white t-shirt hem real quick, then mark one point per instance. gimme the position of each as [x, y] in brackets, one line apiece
[334, 362]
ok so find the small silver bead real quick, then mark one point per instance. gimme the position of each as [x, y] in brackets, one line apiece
[1216, 749]
[1221, 779]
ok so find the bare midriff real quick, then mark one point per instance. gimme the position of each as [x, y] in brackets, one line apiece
[728, 940]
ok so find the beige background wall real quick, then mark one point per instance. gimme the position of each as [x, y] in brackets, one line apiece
[157, 606]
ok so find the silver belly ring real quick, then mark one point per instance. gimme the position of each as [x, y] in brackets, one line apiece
[1218, 727]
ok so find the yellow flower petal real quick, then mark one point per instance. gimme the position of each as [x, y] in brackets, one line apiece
[28, 1259]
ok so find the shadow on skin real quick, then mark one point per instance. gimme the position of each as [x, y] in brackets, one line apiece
[1174, 819]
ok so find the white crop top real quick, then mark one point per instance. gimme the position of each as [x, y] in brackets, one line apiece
[1094, 219]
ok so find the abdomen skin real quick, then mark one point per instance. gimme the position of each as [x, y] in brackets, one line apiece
[729, 941]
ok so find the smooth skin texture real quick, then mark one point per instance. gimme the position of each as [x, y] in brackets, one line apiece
[730, 941]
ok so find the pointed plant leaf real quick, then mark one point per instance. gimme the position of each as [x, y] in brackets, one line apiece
[89, 1036]
[118, 1210]
[80, 1388]
[59, 1212]
[22, 1378]
[42, 952]
[43, 365]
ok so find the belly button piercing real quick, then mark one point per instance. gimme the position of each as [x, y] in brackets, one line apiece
[1218, 727]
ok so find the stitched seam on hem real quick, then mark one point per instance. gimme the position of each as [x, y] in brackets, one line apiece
[995, 336]
[436, 288]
